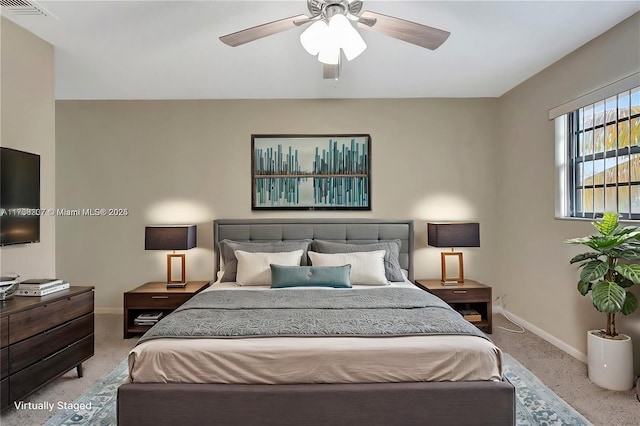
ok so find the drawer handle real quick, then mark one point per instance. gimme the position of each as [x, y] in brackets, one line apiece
[460, 291]
[56, 353]
[55, 328]
[159, 297]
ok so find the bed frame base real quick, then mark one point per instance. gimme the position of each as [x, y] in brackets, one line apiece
[370, 404]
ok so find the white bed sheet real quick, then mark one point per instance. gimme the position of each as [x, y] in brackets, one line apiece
[287, 360]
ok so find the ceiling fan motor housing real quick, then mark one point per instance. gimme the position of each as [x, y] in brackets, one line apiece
[328, 8]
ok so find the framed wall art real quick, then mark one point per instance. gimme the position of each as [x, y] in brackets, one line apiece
[311, 172]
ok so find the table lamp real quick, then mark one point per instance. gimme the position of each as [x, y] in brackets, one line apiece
[171, 237]
[453, 234]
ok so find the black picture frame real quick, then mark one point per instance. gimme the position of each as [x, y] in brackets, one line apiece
[311, 172]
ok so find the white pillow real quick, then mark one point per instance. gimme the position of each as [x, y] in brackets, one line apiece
[255, 269]
[367, 268]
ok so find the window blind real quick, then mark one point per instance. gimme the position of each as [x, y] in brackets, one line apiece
[626, 83]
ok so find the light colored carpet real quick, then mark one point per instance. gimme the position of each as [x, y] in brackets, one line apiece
[563, 374]
[567, 377]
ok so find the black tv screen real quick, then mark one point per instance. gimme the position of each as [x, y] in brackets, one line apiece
[19, 197]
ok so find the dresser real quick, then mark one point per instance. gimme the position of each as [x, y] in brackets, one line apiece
[42, 338]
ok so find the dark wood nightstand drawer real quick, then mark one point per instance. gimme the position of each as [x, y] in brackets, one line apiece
[464, 295]
[156, 300]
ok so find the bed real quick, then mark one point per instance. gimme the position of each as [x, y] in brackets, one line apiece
[293, 378]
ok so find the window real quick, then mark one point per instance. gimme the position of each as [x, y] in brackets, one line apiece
[603, 157]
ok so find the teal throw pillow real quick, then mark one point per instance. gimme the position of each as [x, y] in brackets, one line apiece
[310, 276]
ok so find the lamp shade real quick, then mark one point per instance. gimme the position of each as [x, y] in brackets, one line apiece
[177, 237]
[457, 234]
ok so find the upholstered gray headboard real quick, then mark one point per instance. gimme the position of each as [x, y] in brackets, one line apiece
[353, 231]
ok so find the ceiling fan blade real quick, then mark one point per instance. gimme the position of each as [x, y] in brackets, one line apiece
[411, 32]
[254, 33]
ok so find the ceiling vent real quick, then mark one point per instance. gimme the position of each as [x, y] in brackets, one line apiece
[24, 7]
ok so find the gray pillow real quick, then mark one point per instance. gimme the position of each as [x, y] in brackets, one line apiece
[230, 262]
[392, 268]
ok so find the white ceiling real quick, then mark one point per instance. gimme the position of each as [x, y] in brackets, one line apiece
[170, 49]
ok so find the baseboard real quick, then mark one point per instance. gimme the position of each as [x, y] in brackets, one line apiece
[108, 311]
[543, 334]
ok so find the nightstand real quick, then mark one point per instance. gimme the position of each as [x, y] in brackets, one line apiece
[467, 295]
[155, 296]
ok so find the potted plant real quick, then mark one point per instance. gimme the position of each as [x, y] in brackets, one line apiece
[608, 280]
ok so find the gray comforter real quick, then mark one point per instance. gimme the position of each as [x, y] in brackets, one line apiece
[386, 312]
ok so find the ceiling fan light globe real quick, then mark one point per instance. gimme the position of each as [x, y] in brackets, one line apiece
[354, 46]
[346, 36]
[313, 38]
[339, 24]
[330, 55]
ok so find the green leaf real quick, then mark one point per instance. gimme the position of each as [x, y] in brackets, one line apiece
[627, 230]
[623, 282]
[593, 270]
[630, 304]
[608, 241]
[607, 224]
[630, 272]
[608, 297]
[584, 256]
[626, 252]
[584, 287]
[581, 240]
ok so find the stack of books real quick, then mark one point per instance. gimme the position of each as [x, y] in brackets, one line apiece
[470, 315]
[148, 318]
[41, 286]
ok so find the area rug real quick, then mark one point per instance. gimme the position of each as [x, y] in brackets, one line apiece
[536, 405]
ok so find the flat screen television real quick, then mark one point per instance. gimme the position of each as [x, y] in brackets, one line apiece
[19, 197]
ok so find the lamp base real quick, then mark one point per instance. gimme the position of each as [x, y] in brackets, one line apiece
[449, 283]
[176, 285]
[176, 282]
[443, 259]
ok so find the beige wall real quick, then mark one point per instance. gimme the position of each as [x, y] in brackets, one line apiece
[189, 162]
[490, 160]
[27, 111]
[535, 276]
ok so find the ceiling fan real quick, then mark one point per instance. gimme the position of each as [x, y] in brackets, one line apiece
[331, 31]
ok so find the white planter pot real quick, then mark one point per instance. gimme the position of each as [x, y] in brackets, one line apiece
[610, 361]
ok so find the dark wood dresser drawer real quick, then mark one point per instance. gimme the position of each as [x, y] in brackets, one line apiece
[4, 331]
[464, 295]
[40, 373]
[45, 337]
[4, 392]
[33, 321]
[4, 362]
[28, 351]
[159, 301]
